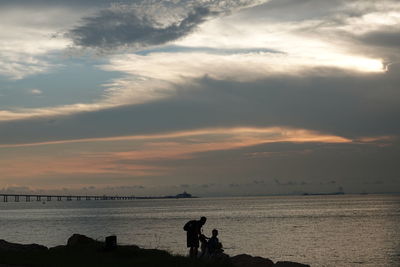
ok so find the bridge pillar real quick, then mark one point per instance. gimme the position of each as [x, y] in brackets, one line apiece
[48, 198]
[5, 199]
[38, 198]
[16, 198]
[78, 198]
[58, 198]
[27, 198]
[69, 198]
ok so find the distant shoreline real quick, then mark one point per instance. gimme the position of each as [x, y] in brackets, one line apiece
[325, 194]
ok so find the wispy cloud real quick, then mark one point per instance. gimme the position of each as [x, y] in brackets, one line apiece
[157, 75]
[240, 136]
[28, 113]
[36, 92]
[27, 46]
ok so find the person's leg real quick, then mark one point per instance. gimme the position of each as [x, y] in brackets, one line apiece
[202, 250]
[195, 250]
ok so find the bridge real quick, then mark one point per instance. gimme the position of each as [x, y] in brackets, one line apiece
[38, 197]
[29, 197]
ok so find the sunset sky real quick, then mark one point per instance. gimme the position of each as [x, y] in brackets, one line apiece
[215, 97]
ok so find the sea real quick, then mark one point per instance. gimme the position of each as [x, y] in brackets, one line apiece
[320, 230]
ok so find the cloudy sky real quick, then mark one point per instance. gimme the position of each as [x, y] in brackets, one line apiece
[215, 97]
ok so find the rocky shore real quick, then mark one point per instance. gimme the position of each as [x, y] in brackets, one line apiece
[84, 251]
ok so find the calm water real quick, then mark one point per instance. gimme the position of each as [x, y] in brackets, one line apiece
[353, 230]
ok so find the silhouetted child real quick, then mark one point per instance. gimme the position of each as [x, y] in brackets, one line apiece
[214, 246]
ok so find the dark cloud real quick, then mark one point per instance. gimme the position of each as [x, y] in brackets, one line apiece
[376, 182]
[112, 28]
[325, 168]
[389, 38]
[349, 165]
[345, 104]
[288, 183]
[380, 43]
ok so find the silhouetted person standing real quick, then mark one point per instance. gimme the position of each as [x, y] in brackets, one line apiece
[193, 232]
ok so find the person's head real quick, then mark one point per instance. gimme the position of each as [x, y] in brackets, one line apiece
[203, 220]
[214, 232]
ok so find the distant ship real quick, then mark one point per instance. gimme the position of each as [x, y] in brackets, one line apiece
[182, 195]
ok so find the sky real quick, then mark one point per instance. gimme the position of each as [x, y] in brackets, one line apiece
[212, 97]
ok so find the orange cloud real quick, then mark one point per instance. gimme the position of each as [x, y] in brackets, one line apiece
[119, 155]
[271, 134]
[376, 139]
[48, 165]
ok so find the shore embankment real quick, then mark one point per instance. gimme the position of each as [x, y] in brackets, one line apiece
[84, 251]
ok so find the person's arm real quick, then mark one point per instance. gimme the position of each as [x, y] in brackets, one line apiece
[198, 228]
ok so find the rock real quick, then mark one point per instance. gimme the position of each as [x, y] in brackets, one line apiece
[77, 240]
[244, 260]
[8, 247]
[111, 242]
[57, 248]
[289, 264]
[6, 265]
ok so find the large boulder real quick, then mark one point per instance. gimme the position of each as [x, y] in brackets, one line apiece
[77, 240]
[8, 247]
[290, 264]
[244, 260]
